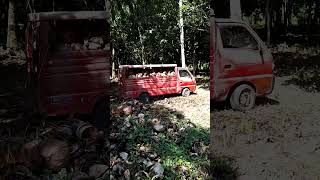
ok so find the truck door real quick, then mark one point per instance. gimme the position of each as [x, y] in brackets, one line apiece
[240, 56]
[186, 79]
[240, 52]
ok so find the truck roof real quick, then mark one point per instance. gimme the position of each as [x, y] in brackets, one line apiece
[68, 15]
[148, 66]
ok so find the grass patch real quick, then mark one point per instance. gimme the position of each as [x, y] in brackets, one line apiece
[176, 146]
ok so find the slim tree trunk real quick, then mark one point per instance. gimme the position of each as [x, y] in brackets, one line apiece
[113, 74]
[256, 16]
[317, 12]
[142, 47]
[107, 5]
[183, 58]
[194, 66]
[235, 9]
[309, 21]
[11, 34]
[268, 22]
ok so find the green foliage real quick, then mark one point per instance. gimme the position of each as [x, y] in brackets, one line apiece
[173, 154]
[148, 31]
[285, 16]
[192, 135]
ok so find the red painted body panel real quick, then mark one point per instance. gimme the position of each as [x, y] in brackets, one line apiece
[154, 86]
[78, 80]
[257, 73]
[66, 81]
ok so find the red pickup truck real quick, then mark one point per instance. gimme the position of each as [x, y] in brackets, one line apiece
[241, 64]
[144, 81]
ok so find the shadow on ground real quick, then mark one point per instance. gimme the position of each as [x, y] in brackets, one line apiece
[218, 106]
[262, 101]
[288, 63]
[203, 82]
[302, 67]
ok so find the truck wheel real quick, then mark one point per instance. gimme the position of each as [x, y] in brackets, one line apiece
[144, 97]
[243, 98]
[101, 116]
[186, 92]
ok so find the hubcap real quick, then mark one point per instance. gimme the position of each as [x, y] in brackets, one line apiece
[244, 99]
[186, 93]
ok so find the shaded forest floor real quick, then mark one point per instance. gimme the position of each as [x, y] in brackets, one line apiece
[171, 133]
[169, 137]
[279, 138]
[301, 64]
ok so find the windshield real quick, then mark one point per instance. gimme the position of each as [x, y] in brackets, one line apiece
[236, 36]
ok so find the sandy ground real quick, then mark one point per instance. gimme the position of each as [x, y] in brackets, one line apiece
[278, 139]
[196, 107]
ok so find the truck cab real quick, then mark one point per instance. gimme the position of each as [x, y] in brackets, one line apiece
[241, 64]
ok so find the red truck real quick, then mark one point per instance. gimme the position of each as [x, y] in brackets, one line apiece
[144, 81]
[241, 64]
[68, 59]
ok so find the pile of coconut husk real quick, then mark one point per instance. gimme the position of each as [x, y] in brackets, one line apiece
[132, 159]
[153, 74]
[93, 43]
[74, 149]
[73, 146]
[11, 56]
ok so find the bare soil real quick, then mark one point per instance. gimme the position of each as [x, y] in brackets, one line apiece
[196, 107]
[278, 139]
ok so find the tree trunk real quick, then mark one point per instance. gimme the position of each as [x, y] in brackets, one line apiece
[11, 34]
[113, 74]
[107, 5]
[194, 66]
[268, 22]
[183, 58]
[256, 16]
[235, 9]
[142, 47]
[289, 14]
[309, 21]
[317, 13]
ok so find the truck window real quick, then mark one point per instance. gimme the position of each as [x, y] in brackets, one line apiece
[234, 36]
[184, 74]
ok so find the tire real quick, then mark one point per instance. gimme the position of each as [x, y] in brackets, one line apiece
[144, 97]
[243, 98]
[186, 92]
[101, 115]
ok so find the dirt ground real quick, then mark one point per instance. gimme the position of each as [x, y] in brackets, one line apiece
[196, 107]
[278, 139]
